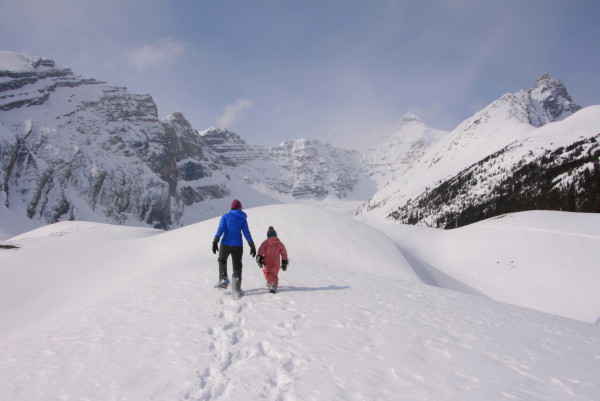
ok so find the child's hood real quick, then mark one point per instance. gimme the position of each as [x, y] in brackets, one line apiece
[272, 240]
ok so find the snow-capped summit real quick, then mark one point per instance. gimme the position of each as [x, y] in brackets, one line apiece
[22, 63]
[394, 156]
[527, 150]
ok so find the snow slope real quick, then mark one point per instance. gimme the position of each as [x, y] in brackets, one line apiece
[99, 312]
[543, 260]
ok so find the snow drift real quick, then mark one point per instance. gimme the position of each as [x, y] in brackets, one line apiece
[542, 260]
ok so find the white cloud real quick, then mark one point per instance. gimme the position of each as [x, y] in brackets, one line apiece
[164, 52]
[233, 112]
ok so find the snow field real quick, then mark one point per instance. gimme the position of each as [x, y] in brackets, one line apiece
[133, 316]
[543, 260]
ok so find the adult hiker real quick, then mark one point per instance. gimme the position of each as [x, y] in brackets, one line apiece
[231, 226]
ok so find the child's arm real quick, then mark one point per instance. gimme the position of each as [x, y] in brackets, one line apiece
[262, 250]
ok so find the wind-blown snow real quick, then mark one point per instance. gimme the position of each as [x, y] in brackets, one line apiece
[16, 62]
[392, 158]
[99, 312]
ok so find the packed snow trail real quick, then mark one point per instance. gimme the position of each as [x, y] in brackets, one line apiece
[334, 331]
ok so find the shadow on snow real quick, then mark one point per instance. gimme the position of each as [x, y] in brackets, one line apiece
[288, 288]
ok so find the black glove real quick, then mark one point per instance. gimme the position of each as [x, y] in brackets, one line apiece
[260, 260]
[284, 264]
[215, 245]
[252, 249]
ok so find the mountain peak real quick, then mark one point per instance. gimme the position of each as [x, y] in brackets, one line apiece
[178, 118]
[215, 131]
[549, 85]
[545, 77]
[549, 101]
[19, 62]
[410, 118]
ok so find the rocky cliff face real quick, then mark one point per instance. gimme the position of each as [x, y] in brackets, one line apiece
[300, 169]
[54, 118]
[548, 101]
[312, 169]
[77, 148]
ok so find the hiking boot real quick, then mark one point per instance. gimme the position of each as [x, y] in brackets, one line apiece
[223, 284]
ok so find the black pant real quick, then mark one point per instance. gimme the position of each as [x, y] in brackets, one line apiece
[236, 259]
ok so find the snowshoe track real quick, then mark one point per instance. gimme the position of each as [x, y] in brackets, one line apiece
[241, 356]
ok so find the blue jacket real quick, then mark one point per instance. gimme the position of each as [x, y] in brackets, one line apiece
[233, 224]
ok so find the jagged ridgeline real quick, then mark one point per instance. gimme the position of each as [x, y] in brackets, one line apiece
[73, 148]
[76, 148]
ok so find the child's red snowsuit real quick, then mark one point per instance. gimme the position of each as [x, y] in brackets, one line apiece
[272, 249]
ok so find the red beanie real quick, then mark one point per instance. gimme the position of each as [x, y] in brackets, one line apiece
[236, 204]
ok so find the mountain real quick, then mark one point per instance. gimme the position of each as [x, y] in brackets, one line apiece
[73, 148]
[390, 159]
[529, 150]
[76, 148]
[103, 312]
[298, 169]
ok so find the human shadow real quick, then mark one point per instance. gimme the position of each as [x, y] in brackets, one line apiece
[289, 288]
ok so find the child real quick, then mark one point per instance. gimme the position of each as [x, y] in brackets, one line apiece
[268, 256]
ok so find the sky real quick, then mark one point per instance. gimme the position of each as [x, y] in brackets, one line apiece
[340, 71]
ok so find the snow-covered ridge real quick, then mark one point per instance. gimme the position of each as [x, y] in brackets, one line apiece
[466, 173]
[18, 62]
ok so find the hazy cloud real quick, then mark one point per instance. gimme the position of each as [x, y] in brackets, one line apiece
[347, 83]
[436, 116]
[233, 112]
[163, 52]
